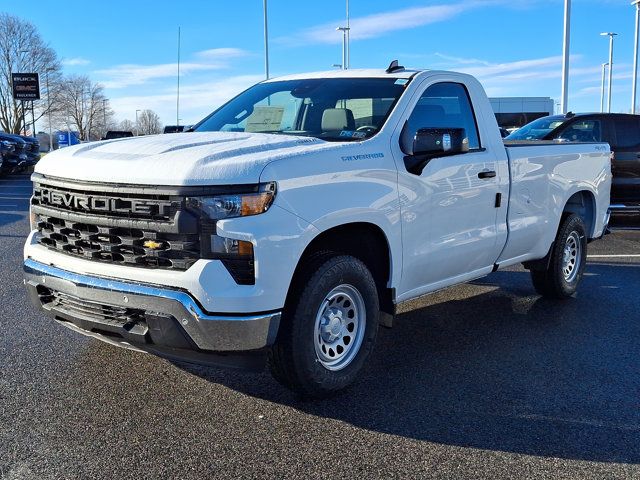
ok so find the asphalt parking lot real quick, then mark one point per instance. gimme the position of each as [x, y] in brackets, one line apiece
[485, 380]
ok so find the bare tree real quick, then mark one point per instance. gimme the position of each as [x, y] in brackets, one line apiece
[149, 123]
[22, 50]
[83, 106]
[127, 126]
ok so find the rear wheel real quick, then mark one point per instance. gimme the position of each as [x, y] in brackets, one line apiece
[329, 328]
[568, 259]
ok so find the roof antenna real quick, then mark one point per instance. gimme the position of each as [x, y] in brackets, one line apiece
[393, 66]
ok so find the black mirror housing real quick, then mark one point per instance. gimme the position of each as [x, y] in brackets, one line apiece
[430, 143]
[436, 142]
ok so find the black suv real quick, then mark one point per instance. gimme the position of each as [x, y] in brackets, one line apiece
[32, 150]
[16, 157]
[621, 131]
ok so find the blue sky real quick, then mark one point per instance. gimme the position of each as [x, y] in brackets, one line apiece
[514, 47]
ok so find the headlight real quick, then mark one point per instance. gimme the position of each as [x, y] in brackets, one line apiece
[235, 205]
[236, 255]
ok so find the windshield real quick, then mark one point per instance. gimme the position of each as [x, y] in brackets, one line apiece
[537, 129]
[338, 109]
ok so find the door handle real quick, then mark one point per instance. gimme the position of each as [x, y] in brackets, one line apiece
[487, 174]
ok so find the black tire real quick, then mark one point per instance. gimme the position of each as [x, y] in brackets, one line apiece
[553, 282]
[293, 359]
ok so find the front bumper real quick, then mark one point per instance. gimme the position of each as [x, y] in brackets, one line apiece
[143, 317]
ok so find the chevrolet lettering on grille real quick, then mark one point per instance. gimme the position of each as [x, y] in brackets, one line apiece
[91, 203]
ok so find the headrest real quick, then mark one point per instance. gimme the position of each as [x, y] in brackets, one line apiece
[334, 119]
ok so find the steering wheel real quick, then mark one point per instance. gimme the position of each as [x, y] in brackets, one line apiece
[367, 128]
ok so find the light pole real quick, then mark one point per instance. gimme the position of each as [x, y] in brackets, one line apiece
[635, 58]
[565, 56]
[344, 31]
[177, 92]
[138, 128]
[104, 115]
[604, 69]
[610, 35]
[266, 41]
[349, 38]
[46, 73]
[24, 122]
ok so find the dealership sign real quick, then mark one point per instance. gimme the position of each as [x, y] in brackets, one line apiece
[25, 86]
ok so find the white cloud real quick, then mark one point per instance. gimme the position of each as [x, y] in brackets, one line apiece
[72, 62]
[196, 100]
[378, 24]
[121, 76]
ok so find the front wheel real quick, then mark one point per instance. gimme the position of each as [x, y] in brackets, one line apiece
[329, 328]
[568, 259]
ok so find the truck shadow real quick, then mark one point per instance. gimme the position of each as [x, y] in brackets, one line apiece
[490, 365]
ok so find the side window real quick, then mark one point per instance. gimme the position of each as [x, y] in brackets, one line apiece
[582, 131]
[627, 132]
[444, 105]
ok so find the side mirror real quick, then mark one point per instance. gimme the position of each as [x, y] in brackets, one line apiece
[436, 142]
[430, 143]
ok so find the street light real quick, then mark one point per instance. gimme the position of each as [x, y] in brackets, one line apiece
[104, 115]
[266, 41]
[348, 56]
[46, 72]
[565, 56]
[610, 35]
[137, 128]
[604, 69]
[20, 60]
[635, 58]
[345, 32]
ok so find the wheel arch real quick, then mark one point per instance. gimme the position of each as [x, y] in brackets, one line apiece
[363, 240]
[583, 204]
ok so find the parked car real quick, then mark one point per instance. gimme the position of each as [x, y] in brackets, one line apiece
[621, 131]
[32, 150]
[295, 218]
[174, 128]
[112, 134]
[17, 158]
[6, 149]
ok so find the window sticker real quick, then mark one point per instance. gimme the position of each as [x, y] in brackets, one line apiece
[264, 119]
[401, 81]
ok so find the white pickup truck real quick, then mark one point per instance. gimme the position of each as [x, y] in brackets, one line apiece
[295, 219]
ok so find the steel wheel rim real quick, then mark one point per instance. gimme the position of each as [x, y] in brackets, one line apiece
[339, 327]
[571, 257]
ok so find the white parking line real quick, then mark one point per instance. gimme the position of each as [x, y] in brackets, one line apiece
[614, 256]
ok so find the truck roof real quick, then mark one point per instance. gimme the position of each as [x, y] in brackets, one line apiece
[351, 73]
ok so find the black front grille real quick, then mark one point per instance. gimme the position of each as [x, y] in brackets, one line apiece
[115, 205]
[153, 231]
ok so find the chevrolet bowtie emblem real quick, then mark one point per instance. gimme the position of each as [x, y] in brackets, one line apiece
[152, 245]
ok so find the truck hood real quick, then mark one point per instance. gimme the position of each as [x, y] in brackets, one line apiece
[197, 158]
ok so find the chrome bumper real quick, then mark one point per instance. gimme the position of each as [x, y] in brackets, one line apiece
[88, 294]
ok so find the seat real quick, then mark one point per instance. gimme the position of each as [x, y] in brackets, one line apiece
[337, 119]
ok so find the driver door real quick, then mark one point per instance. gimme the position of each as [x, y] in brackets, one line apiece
[450, 213]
